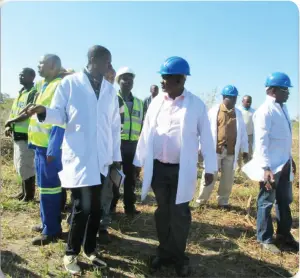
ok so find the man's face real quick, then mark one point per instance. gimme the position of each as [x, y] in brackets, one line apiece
[281, 94]
[247, 101]
[126, 82]
[103, 64]
[229, 101]
[45, 67]
[25, 77]
[169, 83]
[110, 75]
[154, 91]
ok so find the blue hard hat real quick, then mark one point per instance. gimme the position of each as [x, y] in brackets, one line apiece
[175, 65]
[278, 79]
[230, 90]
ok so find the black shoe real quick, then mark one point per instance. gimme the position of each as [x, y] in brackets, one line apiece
[37, 228]
[45, 239]
[113, 210]
[289, 241]
[157, 262]
[183, 271]
[132, 212]
[104, 237]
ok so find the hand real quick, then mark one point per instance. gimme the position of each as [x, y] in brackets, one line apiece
[208, 178]
[294, 169]
[268, 179]
[245, 157]
[50, 158]
[32, 109]
[8, 124]
[8, 131]
[117, 165]
[138, 171]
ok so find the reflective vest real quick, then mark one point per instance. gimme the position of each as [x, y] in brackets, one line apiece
[19, 103]
[38, 133]
[132, 125]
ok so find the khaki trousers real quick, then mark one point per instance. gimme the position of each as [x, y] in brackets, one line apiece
[225, 165]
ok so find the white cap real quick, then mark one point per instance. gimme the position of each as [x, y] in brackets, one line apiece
[123, 70]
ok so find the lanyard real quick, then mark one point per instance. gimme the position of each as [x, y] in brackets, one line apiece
[287, 119]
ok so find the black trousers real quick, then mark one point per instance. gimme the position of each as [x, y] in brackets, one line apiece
[128, 149]
[85, 220]
[172, 221]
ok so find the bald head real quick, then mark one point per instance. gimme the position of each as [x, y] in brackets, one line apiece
[99, 60]
[154, 90]
[49, 66]
[247, 101]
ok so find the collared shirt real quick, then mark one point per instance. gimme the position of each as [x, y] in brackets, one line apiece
[226, 131]
[272, 135]
[248, 119]
[96, 84]
[167, 137]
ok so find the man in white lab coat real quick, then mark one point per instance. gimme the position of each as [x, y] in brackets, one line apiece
[247, 112]
[272, 164]
[168, 151]
[88, 105]
[230, 136]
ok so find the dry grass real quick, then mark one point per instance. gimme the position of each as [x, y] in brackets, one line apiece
[221, 243]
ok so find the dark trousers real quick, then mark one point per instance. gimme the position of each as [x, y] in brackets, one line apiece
[172, 221]
[85, 219]
[281, 194]
[128, 149]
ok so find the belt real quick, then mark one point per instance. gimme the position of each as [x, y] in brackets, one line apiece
[166, 164]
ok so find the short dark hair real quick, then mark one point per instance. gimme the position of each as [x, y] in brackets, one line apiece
[247, 96]
[30, 71]
[97, 51]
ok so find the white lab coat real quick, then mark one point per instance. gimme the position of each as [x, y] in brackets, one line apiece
[241, 143]
[92, 136]
[194, 124]
[272, 139]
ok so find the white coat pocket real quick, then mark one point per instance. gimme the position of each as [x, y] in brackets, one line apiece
[74, 145]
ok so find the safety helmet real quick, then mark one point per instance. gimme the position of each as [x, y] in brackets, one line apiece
[278, 79]
[175, 65]
[230, 90]
[122, 71]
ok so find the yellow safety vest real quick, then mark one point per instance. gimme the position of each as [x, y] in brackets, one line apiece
[38, 133]
[19, 103]
[132, 122]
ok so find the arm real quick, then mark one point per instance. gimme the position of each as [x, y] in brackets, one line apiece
[207, 143]
[262, 128]
[116, 131]
[139, 158]
[55, 141]
[244, 137]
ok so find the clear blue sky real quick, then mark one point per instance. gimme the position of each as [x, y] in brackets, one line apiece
[237, 43]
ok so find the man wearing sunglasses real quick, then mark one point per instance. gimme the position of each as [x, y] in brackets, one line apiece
[272, 164]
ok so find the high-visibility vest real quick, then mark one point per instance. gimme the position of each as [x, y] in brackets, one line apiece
[38, 133]
[19, 103]
[132, 125]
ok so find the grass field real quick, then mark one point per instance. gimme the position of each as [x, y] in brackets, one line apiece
[221, 243]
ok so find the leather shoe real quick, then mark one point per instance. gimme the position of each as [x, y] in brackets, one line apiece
[157, 262]
[37, 228]
[183, 271]
[288, 241]
[45, 239]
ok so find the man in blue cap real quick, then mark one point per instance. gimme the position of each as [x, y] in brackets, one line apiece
[230, 136]
[168, 151]
[272, 164]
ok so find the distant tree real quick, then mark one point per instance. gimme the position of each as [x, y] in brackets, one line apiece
[4, 97]
[210, 98]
